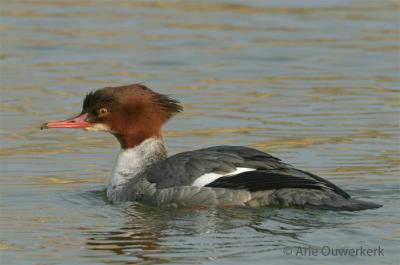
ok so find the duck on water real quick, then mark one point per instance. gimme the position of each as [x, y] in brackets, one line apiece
[213, 176]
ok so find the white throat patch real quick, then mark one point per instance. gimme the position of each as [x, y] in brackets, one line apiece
[98, 127]
[132, 161]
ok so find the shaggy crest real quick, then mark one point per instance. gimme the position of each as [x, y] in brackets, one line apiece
[107, 96]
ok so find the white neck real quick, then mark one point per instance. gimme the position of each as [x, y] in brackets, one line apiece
[131, 162]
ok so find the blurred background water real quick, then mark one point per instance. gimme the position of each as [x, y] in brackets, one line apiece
[313, 82]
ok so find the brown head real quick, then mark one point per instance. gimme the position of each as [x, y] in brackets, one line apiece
[131, 113]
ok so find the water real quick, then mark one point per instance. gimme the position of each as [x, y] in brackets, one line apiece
[313, 82]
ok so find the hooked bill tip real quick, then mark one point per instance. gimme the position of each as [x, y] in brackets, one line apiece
[44, 126]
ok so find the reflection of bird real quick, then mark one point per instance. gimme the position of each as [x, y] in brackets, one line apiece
[219, 175]
[139, 236]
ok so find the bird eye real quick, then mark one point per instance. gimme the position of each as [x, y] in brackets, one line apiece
[102, 111]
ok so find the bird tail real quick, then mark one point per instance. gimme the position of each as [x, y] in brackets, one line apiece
[358, 205]
[347, 205]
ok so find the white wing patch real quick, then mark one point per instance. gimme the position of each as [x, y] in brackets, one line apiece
[206, 179]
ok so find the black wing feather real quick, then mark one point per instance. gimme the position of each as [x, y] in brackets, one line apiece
[260, 180]
[271, 173]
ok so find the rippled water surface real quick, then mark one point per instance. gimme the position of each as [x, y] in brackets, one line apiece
[313, 82]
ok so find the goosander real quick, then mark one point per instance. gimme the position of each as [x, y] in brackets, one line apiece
[213, 176]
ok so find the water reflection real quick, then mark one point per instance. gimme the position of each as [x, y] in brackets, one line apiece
[137, 237]
[151, 235]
